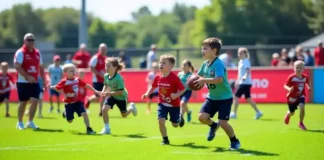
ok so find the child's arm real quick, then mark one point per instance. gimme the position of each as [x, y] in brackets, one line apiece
[148, 92]
[116, 93]
[92, 89]
[181, 89]
[178, 94]
[289, 89]
[54, 88]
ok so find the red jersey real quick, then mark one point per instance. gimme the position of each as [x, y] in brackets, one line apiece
[5, 82]
[82, 94]
[84, 57]
[299, 85]
[29, 60]
[98, 62]
[319, 56]
[168, 85]
[71, 89]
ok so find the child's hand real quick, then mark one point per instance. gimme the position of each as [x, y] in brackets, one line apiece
[97, 93]
[49, 86]
[243, 78]
[291, 89]
[200, 82]
[144, 96]
[173, 96]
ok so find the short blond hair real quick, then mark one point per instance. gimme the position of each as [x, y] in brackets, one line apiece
[299, 62]
[169, 57]
[155, 64]
[67, 66]
[4, 64]
[245, 51]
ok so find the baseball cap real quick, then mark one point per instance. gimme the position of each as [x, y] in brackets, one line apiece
[56, 57]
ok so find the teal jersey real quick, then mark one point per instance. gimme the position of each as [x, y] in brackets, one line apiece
[116, 83]
[183, 77]
[216, 69]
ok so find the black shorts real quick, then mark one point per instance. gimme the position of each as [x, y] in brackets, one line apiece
[5, 95]
[294, 106]
[98, 86]
[243, 89]
[121, 104]
[74, 107]
[223, 107]
[174, 113]
[153, 94]
[28, 90]
[185, 97]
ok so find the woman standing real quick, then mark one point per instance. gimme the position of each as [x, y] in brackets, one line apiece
[244, 83]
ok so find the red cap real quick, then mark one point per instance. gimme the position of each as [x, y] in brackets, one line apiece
[56, 57]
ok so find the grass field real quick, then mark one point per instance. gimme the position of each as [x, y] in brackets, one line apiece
[139, 137]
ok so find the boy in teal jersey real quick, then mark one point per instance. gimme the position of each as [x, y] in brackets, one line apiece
[220, 96]
[187, 70]
[116, 93]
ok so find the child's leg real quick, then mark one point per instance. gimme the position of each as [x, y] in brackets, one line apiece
[236, 104]
[183, 107]
[162, 127]
[58, 102]
[175, 117]
[40, 107]
[121, 104]
[7, 105]
[149, 105]
[105, 115]
[301, 112]
[162, 116]
[86, 119]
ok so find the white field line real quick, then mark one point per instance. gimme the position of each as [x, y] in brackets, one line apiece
[46, 149]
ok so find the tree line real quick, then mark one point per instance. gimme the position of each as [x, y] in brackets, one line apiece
[237, 22]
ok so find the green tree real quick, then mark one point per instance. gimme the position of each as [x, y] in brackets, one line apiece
[316, 20]
[142, 11]
[101, 33]
[184, 12]
[164, 42]
[183, 37]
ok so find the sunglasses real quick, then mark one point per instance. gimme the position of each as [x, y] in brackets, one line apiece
[30, 40]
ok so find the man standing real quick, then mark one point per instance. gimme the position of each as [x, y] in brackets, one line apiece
[82, 57]
[28, 63]
[97, 65]
[319, 54]
[151, 57]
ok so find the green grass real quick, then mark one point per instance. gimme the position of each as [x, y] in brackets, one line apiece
[139, 137]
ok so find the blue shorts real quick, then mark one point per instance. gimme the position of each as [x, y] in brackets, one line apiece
[98, 86]
[73, 107]
[294, 106]
[4, 96]
[28, 90]
[174, 113]
[153, 94]
[121, 104]
[186, 96]
[223, 107]
[53, 92]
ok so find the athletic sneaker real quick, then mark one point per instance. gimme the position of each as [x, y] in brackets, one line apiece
[189, 116]
[235, 145]
[212, 133]
[58, 111]
[90, 131]
[287, 118]
[105, 131]
[134, 110]
[233, 115]
[31, 125]
[182, 121]
[51, 109]
[7, 115]
[302, 126]
[258, 115]
[20, 126]
[165, 142]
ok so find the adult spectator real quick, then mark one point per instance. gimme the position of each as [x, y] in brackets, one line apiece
[275, 59]
[151, 57]
[29, 65]
[82, 57]
[284, 58]
[97, 65]
[125, 59]
[309, 59]
[299, 54]
[319, 54]
[227, 59]
[68, 59]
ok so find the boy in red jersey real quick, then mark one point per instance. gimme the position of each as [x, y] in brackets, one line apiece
[170, 89]
[5, 88]
[70, 86]
[295, 85]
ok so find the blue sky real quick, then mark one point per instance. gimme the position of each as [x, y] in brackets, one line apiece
[109, 10]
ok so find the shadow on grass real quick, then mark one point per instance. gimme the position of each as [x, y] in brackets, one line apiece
[48, 130]
[136, 136]
[267, 119]
[246, 152]
[196, 123]
[83, 133]
[316, 131]
[14, 117]
[189, 145]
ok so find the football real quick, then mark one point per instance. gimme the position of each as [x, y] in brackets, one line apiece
[191, 84]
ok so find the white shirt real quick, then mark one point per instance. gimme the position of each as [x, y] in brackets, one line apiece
[151, 56]
[242, 66]
[19, 58]
[227, 62]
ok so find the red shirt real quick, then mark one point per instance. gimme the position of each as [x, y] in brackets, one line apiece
[319, 56]
[168, 85]
[29, 60]
[82, 94]
[71, 88]
[84, 57]
[274, 62]
[5, 82]
[299, 85]
[98, 62]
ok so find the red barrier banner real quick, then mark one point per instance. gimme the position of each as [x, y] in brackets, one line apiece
[267, 85]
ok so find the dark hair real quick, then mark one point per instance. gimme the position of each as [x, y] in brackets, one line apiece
[187, 62]
[115, 62]
[213, 43]
[169, 57]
